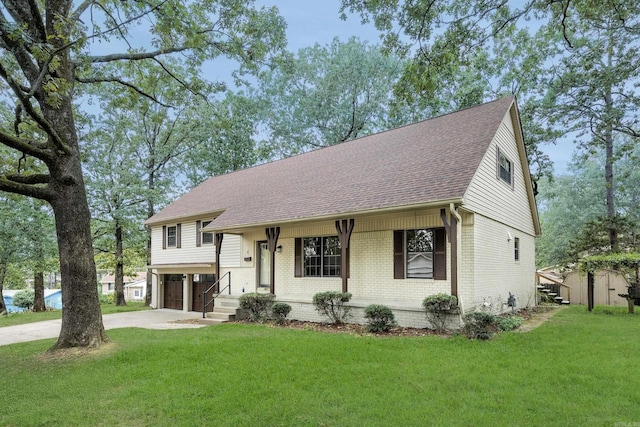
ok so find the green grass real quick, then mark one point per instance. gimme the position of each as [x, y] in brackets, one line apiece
[29, 317]
[577, 369]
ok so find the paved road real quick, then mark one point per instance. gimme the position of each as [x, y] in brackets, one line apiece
[148, 319]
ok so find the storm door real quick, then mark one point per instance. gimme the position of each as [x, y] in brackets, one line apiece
[264, 266]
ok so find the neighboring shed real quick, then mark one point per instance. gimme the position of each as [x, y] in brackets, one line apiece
[607, 285]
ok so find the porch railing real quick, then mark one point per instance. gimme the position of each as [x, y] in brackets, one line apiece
[205, 304]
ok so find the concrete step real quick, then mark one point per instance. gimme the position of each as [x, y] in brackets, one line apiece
[223, 317]
[565, 302]
[227, 301]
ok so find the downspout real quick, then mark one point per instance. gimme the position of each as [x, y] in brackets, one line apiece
[454, 212]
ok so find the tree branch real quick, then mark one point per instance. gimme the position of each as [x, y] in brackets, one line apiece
[30, 179]
[135, 56]
[41, 121]
[29, 190]
[123, 83]
[25, 146]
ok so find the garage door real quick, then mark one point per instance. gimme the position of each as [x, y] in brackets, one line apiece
[173, 291]
[205, 281]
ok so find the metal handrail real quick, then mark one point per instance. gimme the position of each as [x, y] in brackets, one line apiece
[204, 294]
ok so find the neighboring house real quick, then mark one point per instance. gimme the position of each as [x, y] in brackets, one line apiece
[52, 299]
[445, 205]
[134, 287]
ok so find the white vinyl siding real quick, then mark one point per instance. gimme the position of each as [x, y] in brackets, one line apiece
[489, 196]
[189, 253]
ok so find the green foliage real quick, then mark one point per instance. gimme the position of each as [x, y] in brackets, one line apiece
[325, 95]
[379, 317]
[257, 305]
[24, 299]
[332, 305]
[309, 370]
[106, 298]
[437, 308]
[480, 325]
[280, 310]
[626, 262]
[509, 323]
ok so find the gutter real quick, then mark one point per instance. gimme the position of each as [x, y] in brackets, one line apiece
[454, 212]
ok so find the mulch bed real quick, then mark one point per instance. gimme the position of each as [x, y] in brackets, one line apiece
[533, 318]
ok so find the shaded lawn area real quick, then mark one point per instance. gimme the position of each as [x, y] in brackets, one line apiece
[578, 368]
[29, 317]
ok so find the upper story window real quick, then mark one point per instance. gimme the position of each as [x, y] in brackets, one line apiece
[505, 168]
[516, 249]
[321, 256]
[207, 238]
[171, 236]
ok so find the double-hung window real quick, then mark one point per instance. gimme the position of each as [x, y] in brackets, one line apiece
[318, 257]
[420, 254]
[171, 236]
[207, 238]
[505, 168]
[203, 238]
[516, 249]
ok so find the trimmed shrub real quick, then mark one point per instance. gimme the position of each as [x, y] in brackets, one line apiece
[24, 299]
[480, 325]
[280, 311]
[332, 305]
[437, 307]
[509, 323]
[106, 298]
[379, 317]
[257, 305]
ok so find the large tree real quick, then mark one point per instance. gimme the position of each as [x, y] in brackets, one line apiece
[47, 49]
[325, 95]
[581, 62]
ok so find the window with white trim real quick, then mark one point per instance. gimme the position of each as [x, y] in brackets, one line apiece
[207, 238]
[172, 236]
[505, 168]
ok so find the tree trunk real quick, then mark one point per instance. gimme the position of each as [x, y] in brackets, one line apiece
[38, 291]
[119, 273]
[150, 212]
[608, 165]
[81, 317]
[3, 272]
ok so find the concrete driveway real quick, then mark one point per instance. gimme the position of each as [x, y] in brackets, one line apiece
[148, 319]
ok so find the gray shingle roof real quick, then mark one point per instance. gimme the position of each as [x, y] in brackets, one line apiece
[429, 161]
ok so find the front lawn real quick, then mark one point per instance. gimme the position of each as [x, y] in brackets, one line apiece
[30, 317]
[578, 368]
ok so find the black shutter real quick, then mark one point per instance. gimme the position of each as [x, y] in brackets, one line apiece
[440, 255]
[398, 254]
[178, 236]
[164, 237]
[198, 234]
[298, 258]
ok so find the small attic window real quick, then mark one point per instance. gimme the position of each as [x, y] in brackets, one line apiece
[505, 168]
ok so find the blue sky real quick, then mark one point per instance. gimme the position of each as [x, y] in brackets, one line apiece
[318, 21]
